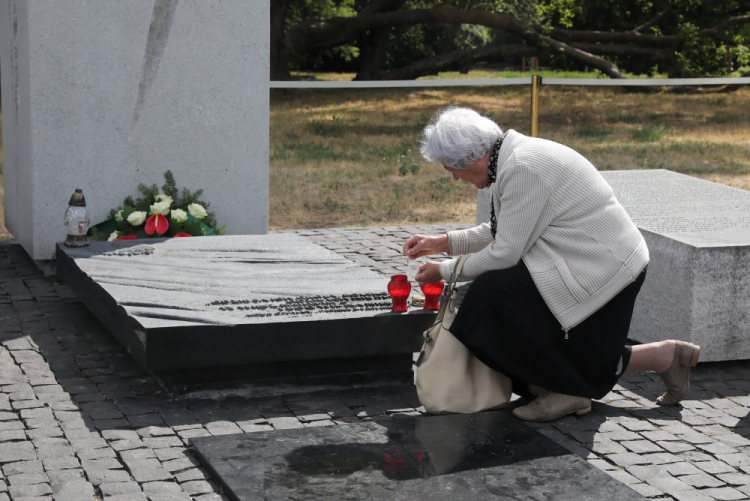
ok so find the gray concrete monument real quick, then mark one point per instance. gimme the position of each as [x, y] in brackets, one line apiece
[106, 95]
[698, 284]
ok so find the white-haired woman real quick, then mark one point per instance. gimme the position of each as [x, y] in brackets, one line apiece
[555, 272]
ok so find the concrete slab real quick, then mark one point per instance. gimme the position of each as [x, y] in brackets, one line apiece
[476, 456]
[274, 301]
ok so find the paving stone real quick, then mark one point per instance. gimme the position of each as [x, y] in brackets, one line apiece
[646, 490]
[8, 435]
[76, 490]
[737, 459]
[130, 496]
[155, 431]
[179, 464]
[714, 467]
[59, 477]
[197, 487]
[623, 476]
[682, 468]
[284, 423]
[104, 452]
[22, 467]
[628, 459]
[16, 451]
[702, 480]
[163, 442]
[101, 464]
[735, 478]
[115, 488]
[675, 446]
[22, 491]
[717, 448]
[724, 493]
[191, 474]
[171, 453]
[28, 478]
[170, 496]
[51, 432]
[641, 446]
[150, 474]
[161, 487]
[137, 454]
[197, 432]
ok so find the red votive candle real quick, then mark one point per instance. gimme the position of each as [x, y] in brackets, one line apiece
[432, 295]
[399, 289]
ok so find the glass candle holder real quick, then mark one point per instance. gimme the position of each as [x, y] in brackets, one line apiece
[432, 295]
[399, 289]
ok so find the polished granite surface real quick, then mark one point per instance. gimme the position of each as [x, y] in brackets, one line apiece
[489, 455]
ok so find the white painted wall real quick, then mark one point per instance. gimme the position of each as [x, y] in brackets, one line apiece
[105, 95]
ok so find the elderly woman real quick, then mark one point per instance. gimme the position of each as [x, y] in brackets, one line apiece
[555, 272]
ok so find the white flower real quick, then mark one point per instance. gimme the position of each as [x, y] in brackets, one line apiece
[137, 218]
[197, 211]
[113, 236]
[118, 216]
[161, 197]
[160, 208]
[178, 216]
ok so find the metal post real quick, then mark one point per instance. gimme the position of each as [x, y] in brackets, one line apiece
[536, 83]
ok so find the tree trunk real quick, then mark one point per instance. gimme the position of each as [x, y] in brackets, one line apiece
[279, 67]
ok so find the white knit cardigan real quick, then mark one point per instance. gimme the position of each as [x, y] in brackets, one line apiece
[557, 213]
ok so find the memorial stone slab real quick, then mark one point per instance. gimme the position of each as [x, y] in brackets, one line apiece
[698, 283]
[275, 305]
[486, 455]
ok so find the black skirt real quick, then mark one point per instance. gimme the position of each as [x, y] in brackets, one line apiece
[504, 321]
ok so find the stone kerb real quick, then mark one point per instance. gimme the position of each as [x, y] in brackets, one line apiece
[698, 283]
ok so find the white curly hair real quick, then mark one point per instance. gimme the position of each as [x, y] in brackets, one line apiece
[458, 137]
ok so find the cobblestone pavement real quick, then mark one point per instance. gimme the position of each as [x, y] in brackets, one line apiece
[79, 420]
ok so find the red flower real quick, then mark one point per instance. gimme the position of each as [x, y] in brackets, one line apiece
[127, 237]
[182, 234]
[157, 223]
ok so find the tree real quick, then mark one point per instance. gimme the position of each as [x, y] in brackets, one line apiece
[405, 39]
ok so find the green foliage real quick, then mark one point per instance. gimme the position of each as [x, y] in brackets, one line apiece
[409, 166]
[725, 54]
[180, 200]
[649, 134]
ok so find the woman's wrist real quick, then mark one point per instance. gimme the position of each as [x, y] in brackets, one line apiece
[443, 243]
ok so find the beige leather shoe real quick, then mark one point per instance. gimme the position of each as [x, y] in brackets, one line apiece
[549, 406]
[677, 377]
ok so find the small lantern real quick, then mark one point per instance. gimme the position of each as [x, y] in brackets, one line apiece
[432, 294]
[77, 221]
[399, 289]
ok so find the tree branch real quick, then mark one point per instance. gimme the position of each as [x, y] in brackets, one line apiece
[653, 20]
[458, 59]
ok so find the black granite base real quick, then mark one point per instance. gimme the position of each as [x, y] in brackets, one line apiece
[489, 455]
[243, 308]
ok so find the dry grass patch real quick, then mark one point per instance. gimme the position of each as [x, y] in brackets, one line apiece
[350, 157]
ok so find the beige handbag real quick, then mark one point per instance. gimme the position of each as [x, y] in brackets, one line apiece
[448, 377]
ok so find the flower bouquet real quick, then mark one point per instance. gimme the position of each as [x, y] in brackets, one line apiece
[158, 214]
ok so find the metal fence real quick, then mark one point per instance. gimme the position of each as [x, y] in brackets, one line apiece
[534, 81]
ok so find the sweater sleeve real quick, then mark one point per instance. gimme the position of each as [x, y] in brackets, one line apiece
[525, 211]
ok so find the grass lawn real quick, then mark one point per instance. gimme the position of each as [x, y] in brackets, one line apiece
[351, 157]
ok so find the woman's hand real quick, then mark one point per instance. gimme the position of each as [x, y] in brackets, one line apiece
[425, 245]
[428, 273]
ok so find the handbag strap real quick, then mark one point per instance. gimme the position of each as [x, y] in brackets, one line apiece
[445, 298]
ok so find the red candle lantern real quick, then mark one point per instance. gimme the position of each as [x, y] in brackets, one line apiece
[399, 289]
[432, 295]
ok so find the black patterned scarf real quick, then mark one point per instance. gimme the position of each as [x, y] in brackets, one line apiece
[491, 176]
